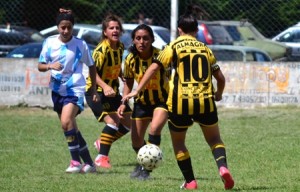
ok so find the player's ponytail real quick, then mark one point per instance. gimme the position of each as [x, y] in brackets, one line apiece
[188, 21]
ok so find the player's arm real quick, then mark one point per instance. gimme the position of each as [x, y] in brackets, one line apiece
[128, 85]
[218, 75]
[153, 68]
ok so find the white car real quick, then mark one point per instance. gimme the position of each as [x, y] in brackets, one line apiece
[291, 38]
[92, 33]
[161, 34]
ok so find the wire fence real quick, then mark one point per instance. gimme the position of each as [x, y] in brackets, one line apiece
[268, 16]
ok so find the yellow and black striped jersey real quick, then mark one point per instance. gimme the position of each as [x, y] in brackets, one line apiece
[156, 91]
[108, 64]
[191, 80]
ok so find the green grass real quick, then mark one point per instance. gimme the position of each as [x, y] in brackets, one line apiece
[262, 148]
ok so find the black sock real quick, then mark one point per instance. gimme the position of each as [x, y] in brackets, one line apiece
[72, 140]
[186, 169]
[84, 151]
[107, 138]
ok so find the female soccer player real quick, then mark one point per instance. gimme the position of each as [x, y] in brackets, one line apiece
[64, 55]
[150, 105]
[191, 97]
[108, 59]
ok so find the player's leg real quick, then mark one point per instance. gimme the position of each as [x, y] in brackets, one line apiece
[88, 166]
[160, 117]
[107, 137]
[182, 155]
[213, 138]
[68, 123]
[138, 131]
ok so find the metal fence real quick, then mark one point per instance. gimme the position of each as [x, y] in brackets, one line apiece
[268, 16]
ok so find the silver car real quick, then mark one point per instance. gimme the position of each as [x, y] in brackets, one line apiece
[291, 38]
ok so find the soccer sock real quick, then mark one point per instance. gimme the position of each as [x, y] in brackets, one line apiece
[107, 137]
[154, 139]
[73, 144]
[136, 149]
[121, 132]
[219, 154]
[185, 164]
[83, 150]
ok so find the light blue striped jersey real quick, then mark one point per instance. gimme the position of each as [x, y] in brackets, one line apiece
[69, 81]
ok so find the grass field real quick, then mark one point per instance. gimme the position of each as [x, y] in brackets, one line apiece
[262, 147]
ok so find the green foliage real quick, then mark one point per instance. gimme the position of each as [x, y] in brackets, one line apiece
[262, 149]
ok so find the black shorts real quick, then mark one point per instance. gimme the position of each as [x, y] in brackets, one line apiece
[184, 121]
[141, 111]
[105, 106]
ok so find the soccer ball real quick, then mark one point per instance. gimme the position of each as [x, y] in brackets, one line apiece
[150, 156]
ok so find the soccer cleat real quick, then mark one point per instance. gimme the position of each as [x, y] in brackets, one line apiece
[86, 168]
[74, 167]
[136, 171]
[189, 186]
[102, 161]
[97, 144]
[144, 174]
[226, 178]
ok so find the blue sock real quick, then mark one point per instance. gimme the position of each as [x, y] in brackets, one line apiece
[72, 140]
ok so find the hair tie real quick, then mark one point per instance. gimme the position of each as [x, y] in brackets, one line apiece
[67, 11]
[64, 14]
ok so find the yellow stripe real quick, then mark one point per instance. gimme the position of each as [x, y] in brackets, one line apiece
[104, 135]
[182, 156]
[218, 145]
[211, 105]
[202, 106]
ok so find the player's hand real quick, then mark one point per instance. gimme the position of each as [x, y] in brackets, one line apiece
[56, 66]
[109, 92]
[121, 110]
[96, 97]
[218, 96]
[127, 97]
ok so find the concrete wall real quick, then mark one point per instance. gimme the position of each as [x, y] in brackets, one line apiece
[247, 84]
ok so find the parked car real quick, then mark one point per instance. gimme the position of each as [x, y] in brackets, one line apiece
[291, 38]
[162, 35]
[9, 40]
[239, 53]
[34, 34]
[32, 50]
[245, 34]
[211, 32]
[90, 33]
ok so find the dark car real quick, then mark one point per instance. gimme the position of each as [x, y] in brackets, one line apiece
[32, 50]
[9, 40]
[211, 32]
[34, 34]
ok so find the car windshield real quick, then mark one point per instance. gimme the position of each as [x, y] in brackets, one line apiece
[228, 55]
[219, 34]
[164, 34]
[234, 33]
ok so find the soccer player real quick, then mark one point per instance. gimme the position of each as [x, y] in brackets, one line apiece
[108, 59]
[191, 97]
[64, 55]
[150, 105]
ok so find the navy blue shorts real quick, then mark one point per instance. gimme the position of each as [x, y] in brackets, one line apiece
[60, 101]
